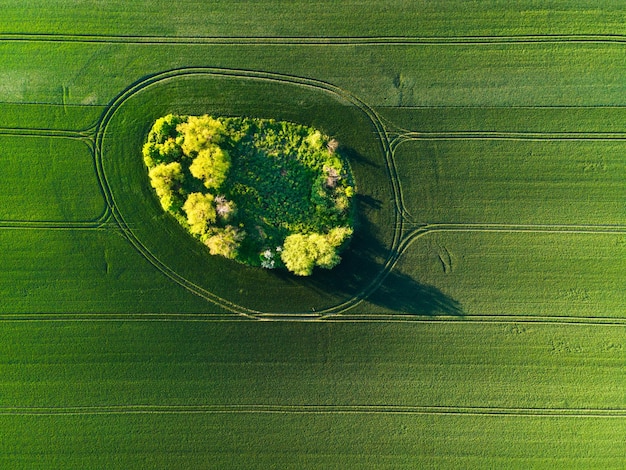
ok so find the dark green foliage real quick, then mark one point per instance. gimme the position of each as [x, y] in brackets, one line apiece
[247, 186]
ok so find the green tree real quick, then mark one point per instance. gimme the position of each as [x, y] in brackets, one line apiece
[165, 178]
[198, 132]
[200, 212]
[302, 252]
[165, 128]
[224, 242]
[211, 166]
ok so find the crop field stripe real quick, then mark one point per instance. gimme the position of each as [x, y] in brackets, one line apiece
[316, 409]
[313, 40]
[80, 136]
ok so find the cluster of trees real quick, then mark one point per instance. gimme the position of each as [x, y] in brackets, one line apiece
[266, 193]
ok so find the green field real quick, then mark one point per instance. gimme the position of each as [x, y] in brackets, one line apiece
[477, 319]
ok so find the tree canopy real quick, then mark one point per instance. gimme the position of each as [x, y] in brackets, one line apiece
[262, 192]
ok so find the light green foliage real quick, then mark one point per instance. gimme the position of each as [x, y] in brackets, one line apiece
[302, 252]
[211, 166]
[224, 241]
[165, 179]
[200, 212]
[198, 132]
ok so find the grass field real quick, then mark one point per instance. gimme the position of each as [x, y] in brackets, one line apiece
[478, 318]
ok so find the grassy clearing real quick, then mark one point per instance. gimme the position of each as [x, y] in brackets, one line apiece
[334, 364]
[536, 274]
[48, 179]
[514, 182]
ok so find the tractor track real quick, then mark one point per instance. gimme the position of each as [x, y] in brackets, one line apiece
[480, 411]
[315, 41]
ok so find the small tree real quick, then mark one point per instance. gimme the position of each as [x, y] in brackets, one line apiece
[200, 212]
[165, 178]
[302, 252]
[199, 132]
[211, 166]
[224, 241]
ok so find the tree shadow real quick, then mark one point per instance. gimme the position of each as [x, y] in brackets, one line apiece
[364, 272]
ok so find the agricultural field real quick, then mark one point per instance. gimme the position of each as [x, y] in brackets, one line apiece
[478, 318]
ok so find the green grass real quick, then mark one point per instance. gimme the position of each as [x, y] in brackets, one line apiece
[543, 74]
[521, 273]
[291, 368]
[461, 385]
[513, 182]
[321, 18]
[38, 180]
[84, 271]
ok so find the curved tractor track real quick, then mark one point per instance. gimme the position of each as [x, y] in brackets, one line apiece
[85, 136]
[255, 75]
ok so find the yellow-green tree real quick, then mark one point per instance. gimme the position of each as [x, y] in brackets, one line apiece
[211, 165]
[200, 212]
[302, 252]
[198, 132]
[164, 178]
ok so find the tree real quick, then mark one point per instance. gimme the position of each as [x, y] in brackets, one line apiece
[164, 178]
[165, 128]
[224, 242]
[199, 132]
[200, 212]
[211, 166]
[302, 252]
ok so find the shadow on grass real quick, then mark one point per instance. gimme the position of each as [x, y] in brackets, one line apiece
[365, 260]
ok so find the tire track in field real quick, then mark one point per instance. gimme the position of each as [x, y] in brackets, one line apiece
[49, 133]
[85, 136]
[255, 75]
[414, 136]
[479, 411]
[100, 224]
[506, 135]
[331, 318]
[316, 40]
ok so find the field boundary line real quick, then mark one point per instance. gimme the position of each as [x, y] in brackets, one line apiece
[316, 40]
[315, 409]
